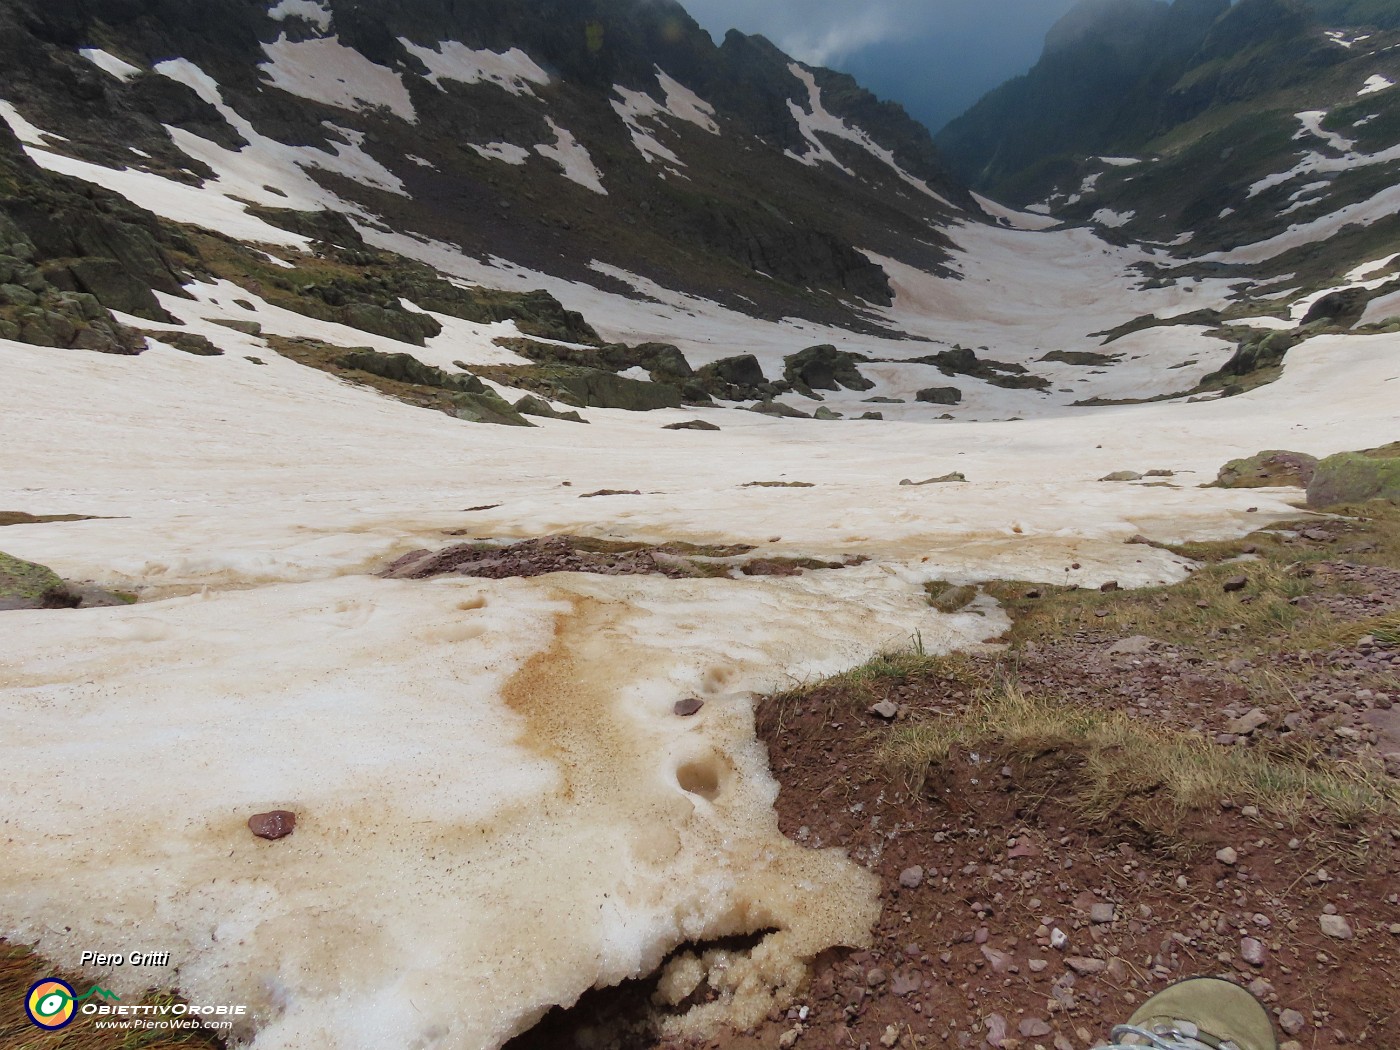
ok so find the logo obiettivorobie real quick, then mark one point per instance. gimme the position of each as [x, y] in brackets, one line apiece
[52, 1004]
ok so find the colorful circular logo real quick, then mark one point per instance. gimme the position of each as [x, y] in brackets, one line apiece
[50, 1004]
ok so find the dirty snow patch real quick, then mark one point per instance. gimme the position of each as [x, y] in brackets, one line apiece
[684, 104]
[110, 63]
[1312, 125]
[820, 122]
[1112, 219]
[1029, 219]
[570, 155]
[317, 14]
[503, 151]
[326, 71]
[27, 133]
[512, 70]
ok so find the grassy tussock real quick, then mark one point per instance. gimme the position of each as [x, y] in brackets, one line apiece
[1386, 629]
[1197, 611]
[1126, 765]
[868, 682]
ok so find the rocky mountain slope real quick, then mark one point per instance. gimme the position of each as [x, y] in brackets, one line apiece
[562, 134]
[1227, 124]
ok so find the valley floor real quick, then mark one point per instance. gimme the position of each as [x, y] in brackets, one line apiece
[492, 778]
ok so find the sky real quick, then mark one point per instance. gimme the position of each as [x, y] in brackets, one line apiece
[937, 57]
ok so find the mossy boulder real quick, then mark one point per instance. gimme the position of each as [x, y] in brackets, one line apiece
[825, 368]
[405, 368]
[594, 388]
[188, 342]
[777, 408]
[530, 405]
[26, 585]
[1355, 477]
[1270, 469]
[488, 407]
[1257, 352]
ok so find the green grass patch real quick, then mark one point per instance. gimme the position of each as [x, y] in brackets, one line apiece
[1124, 767]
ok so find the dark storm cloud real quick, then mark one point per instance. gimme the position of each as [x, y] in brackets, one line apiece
[935, 56]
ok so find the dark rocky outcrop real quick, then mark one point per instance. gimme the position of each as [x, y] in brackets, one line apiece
[962, 361]
[940, 395]
[83, 239]
[1343, 308]
[825, 368]
[691, 424]
[738, 378]
[188, 342]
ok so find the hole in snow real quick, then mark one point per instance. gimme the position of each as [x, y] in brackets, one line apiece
[701, 777]
[479, 602]
[633, 1015]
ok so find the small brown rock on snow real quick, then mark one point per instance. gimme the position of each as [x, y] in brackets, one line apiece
[277, 824]
[689, 706]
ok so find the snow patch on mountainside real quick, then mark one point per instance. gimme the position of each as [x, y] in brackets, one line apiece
[317, 14]
[572, 157]
[243, 176]
[325, 70]
[634, 107]
[1020, 220]
[816, 121]
[684, 104]
[681, 103]
[27, 133]
[1312, 125]
[266, 162]
[1374, 84]
[1112, 219]
[1380, 206]
[503, 151]
[512, 70]
[110, 63]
